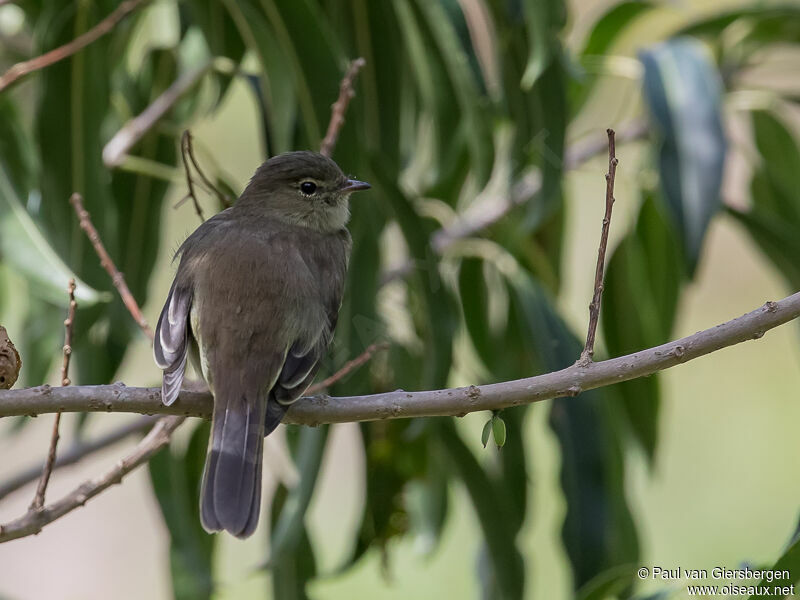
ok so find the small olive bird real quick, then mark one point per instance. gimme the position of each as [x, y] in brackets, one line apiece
[255, 301]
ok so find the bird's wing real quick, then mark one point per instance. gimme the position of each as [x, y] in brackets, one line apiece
[171, 344]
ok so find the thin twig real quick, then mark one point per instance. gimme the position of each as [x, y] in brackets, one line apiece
[223, 198]
[33, 522]
[594, 306]
[349, 366]
[77, 451]
[105, 260]
[41, 489]
[117, 148]
[433, 403]
[339, 108]
[186, 142]
[45, 60]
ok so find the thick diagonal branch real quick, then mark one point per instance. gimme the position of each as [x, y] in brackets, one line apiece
[401, 404]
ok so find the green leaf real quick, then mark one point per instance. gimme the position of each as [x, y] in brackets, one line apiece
[683, 92]
[499, 431]
[788, 563]
[608, 584]
[646, 266]
[490, 504]
[437, 322]
[426, 500]
[543, 19]
[601, 38]
[24, 248]
[598, 528]
[289, 525]
[762, 23]
[776, 182]
[292, 571]
[176, 481]
[487, 431]
[774, 218]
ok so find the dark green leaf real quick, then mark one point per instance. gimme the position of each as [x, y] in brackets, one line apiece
[499, 431]
[176, 482]
[598, 528]
[774, 219]
[487, 431]
[289, 526]
[788, 564]
[601, 38]
[489, 503]
[683, 92]
[292, 571]
[646, 267]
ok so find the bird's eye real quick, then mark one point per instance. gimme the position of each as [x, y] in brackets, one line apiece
[308, 187]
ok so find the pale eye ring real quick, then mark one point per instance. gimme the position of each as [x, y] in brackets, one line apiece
[308, 188]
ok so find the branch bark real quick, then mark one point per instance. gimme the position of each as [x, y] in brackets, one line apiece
[401, 404]
[79, 43]
[32, 522]
[78, 450]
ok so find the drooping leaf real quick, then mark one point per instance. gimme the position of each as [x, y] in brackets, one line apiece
[604, 33]
[289, 524]
[646, 266]
[543, 19]
[292, 571]
[773, 221]
[787, 564]
[507, 572]
[598, 529]
[176, 481]
[683, 93]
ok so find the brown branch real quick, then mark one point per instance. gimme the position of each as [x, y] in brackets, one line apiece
[33, 522]
[77, 451]
[117, 148]
[349, 366]
[339, 108]
[53, 56]
[105, 260]
[594, 306]
[401, 404]
[47, 470]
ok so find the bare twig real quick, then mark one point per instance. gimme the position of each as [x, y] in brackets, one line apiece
[77, 451]
[186, 144]
[45, 60]
[223, 198]
[105, 260]
[349, 366]
[117, 148]
[33, 522]
[47, 470]
[339, 108]
[401, 404]
[594, 306]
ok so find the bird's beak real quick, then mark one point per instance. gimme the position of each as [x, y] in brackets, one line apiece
[353, 185]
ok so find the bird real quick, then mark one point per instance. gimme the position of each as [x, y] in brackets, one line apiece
[254, 303]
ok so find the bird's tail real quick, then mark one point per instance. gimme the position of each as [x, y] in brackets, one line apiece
[231, 494]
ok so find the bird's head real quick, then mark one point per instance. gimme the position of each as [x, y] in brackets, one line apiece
[303, 188]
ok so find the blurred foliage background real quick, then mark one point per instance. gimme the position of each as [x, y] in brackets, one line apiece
[480, 124]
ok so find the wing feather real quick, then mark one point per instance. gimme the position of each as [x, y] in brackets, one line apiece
[171, 343]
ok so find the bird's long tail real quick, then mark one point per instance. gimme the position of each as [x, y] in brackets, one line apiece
[231, 493]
